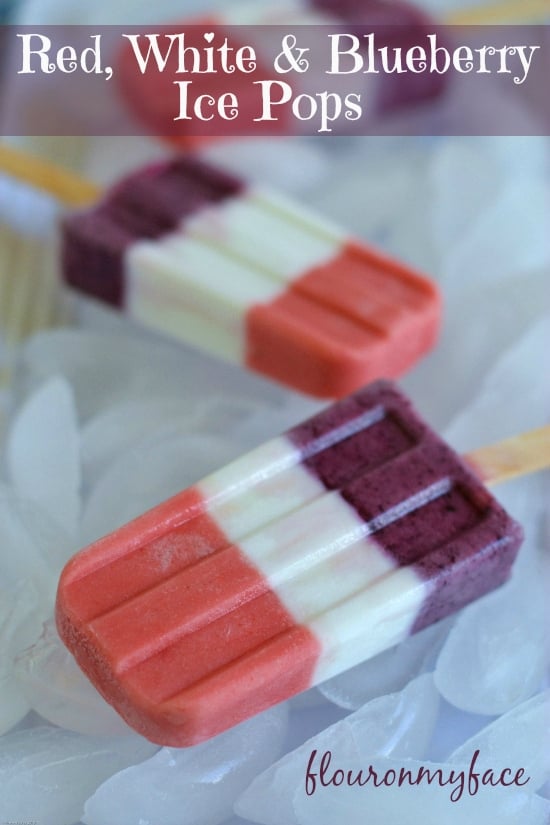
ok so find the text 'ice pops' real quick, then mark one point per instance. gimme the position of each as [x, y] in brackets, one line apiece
[308, 555]
[252, 277]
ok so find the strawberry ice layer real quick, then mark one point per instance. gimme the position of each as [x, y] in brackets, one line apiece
[304, 557]
[250, 276]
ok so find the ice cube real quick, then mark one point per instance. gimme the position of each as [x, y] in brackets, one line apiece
[43, 453]
[518, 304]
[379, 191]
[47, 773]
[145, 476]
[506, 239]
[519, 739]
[54, 544]
[290, 164]
[513, 388]
[198, 783]
[22, 556]
[497, 652]
[58, 690]
[477, 184]
[123, 426]
[123, 362]
[21, 615]
[399, 725]
[128, 424]
[455, 166]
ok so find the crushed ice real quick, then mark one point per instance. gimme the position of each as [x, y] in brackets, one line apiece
[48, 773]
[202, 781]
[42, 453]
[399, 725]
[55, 687]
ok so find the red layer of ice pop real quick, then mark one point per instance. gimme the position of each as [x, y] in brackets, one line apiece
[304, 557]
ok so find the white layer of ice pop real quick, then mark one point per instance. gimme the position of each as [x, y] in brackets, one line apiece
[180, 285]
[198, 282]
[369, 622]
[331, 576]
[317, 556]
[258, 488]
[185, 325]
[271, 235]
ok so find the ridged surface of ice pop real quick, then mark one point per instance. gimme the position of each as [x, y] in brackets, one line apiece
[252, 277]
[304, 557]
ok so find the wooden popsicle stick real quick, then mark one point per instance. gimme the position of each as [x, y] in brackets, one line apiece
[516, 456]
[67, 187]
[500, 12]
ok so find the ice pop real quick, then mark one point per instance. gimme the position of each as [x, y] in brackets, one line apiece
[398, 24]
[252, 277]
[313, 552]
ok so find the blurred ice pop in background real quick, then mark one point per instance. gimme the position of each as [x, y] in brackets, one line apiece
[243, 273]
[44, 12]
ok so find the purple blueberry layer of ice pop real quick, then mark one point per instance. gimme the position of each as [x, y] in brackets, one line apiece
[144, 206]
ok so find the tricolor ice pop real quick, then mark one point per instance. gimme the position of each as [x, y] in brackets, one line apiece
[313, 552]
[252, 277]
